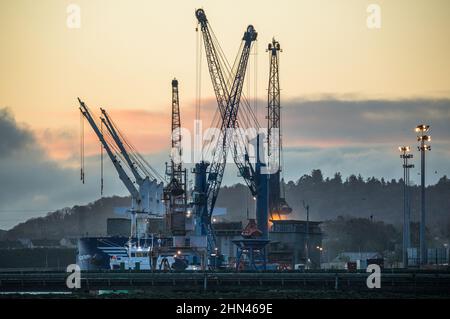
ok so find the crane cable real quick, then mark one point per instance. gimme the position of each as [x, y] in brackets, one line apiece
[239, 141]
[101, 162]
[255, 79]
[247, 116]
[229, 73]
[82, 147]
[137, 158]
[198, 92]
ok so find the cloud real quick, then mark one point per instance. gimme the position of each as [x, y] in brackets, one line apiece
[12, 136]
[362, 136]
[338, 122]
[32, 183]
[60, 144]
[148, 130]
[352, 136]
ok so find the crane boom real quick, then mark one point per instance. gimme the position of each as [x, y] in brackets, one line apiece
[222, 92]
[228, 104]
[145, 194]
[112, 130]
[229, 120]
[215, 69]
[122, 173]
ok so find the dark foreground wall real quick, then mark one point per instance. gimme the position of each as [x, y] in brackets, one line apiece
[235, 285]
[37, 257]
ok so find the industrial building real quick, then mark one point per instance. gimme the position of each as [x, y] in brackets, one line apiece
[290, 243]
[295, 242]
[226, 232]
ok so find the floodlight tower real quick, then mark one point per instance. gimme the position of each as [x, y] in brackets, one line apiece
[406, 202]
[423, 138]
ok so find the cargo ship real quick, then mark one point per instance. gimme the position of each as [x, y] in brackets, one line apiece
[100, 252]
[95, 253]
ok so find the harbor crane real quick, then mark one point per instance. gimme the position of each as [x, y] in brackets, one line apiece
[277, 202]
[262, 179]
[175, 195]
[145, 190]
[253, 173]
[209, 175]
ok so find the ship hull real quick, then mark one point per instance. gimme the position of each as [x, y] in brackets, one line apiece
[94, 253]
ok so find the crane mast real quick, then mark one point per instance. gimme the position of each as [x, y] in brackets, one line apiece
[175, 192]
[228, 104]
[177, 167]
[273, 107]
[277, 202]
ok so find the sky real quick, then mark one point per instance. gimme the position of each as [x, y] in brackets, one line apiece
[350, 95]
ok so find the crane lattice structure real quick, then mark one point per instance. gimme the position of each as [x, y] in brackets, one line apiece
[175, 192]
[228, 95]
[277, 202]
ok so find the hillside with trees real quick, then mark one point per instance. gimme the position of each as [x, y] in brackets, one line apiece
[86, 220]
[370, 198]
[357, 213]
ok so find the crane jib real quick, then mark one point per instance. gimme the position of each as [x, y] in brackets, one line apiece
[228, 104]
